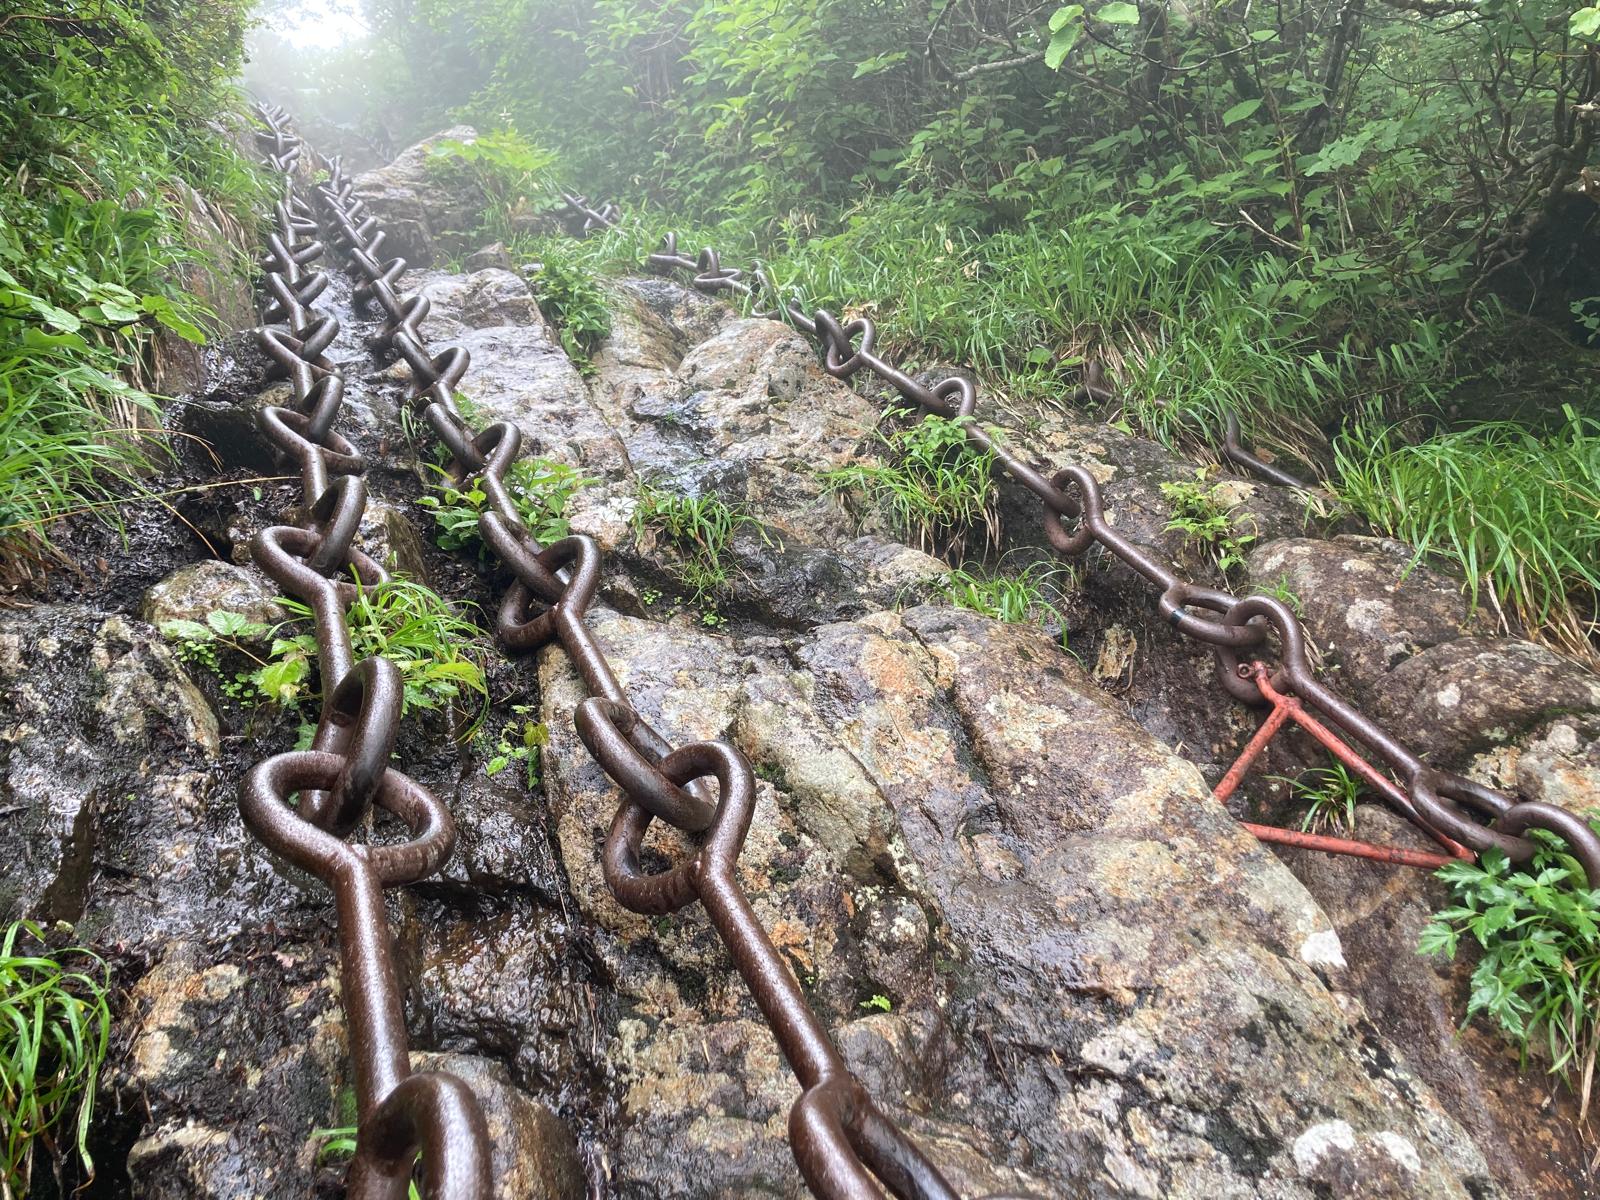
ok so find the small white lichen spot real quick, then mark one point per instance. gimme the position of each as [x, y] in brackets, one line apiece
[1322, 949]
[1315, 1144]
[1401, 1150]
[1450, 695]
[1367, 616]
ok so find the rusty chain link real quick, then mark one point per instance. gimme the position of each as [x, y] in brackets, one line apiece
[1447, 805]
[844, 1145]
[346, 772]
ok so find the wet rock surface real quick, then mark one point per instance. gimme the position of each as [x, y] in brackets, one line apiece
[995, 870]
[427, 209]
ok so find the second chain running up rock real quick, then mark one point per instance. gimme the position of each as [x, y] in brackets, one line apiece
[844, 1145]
[1448, 806]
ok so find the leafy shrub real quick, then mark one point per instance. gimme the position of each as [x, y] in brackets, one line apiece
[1204, 518]
[515, 176]
[571, 301]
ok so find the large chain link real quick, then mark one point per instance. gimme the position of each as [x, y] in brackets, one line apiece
[1445, 804]
[346, 772]
[844, 1145]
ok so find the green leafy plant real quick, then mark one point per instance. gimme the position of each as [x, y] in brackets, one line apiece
[878, 1003]
[572, 302]
[1023, 597]
[932, 485]
[55, 1025]
[541, 489]
[278, 677]
[1539, 944]
[520, 741]
[108, 114]
[440, 655]
[1205, 519]
[516, 178]
[700, 527]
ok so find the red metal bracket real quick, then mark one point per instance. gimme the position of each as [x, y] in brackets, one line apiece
[1287, 708]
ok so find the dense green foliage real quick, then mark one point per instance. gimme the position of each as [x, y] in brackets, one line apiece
[1326, 217]
[108, 110]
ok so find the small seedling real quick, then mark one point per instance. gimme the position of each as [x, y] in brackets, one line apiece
[878, 1003]
[521, 741]
[1204, 519]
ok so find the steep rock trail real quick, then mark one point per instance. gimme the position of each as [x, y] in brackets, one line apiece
[1096, 983]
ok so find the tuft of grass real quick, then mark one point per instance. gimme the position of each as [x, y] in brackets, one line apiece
[700, 527]
[932, 484]
[1018, 599]
[541, 488]
[1519, 514]
[1539, 942]
[55, 1025]
[1330, 794]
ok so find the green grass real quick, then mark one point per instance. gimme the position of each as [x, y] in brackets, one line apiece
[929, 483]
[55, 1024]
[1517, 513]
[338, 1145]
[1539, 955]
[1026, 597]
[101, 118]
[1330, 795]
[701, 528]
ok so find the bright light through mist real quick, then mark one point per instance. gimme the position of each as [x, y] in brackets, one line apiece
[321, 23]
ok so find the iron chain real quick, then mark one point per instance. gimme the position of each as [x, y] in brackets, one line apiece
[346, 772]
[1446, 804]
[844, 1145]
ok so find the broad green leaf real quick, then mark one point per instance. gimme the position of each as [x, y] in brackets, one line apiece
[1060, 45]
[1063, 15]
[1584, 23]
[1240, 111]
[1118, 13]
